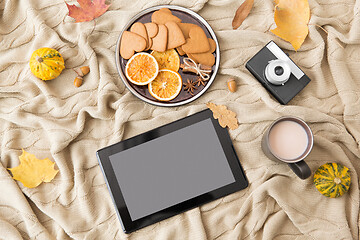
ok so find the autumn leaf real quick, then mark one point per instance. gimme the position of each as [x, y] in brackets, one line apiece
[32, 171]
[241, 13]
[225, 116]
[88, 10]
[292, 18]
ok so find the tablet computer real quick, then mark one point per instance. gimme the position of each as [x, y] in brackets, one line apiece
[170, 169]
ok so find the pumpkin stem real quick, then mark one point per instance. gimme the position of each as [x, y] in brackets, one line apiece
[337, 180]
[39, 59]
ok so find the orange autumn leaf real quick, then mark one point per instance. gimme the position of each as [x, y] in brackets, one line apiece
[32, 171]
[88, 10]
[241, 13]
[224, 116]
[292, 18]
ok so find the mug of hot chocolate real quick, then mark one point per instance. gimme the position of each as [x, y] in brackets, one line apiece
[290, 140]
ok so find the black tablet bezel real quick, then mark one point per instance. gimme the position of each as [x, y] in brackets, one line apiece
[129, 225]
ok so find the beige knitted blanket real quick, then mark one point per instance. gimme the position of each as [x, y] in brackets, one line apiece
[67, 124]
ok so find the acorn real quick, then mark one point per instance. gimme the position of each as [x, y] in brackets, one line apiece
[82, 71]
[78, 81]
[231, 83]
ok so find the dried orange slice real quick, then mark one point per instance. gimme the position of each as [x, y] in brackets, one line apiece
[141, 68]
[167, 60]
[166, 86]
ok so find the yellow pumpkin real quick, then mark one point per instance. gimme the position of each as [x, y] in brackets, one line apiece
[332, 179]
[46, 63]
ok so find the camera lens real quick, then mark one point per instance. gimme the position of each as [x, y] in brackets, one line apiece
[279, 70]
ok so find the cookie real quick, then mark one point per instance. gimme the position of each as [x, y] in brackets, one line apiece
[185, 28]
[206, 58]
[175, 35]
[197, 41]
[160, 40]
[131, 42]
[165, 10]
[140, 29]
[180, 51]
[163, 16]
[149, 44]
[212, 45]
[152, 29]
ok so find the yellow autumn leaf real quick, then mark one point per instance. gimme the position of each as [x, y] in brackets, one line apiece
[32, 171]
[224, 116]
[292, 18]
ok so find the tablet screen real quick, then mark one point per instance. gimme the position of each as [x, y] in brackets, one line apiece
[171, 169]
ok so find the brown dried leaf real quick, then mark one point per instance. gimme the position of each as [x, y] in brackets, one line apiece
[241, 13]
[224, 116]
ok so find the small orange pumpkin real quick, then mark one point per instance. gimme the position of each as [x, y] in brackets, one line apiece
[46, 63]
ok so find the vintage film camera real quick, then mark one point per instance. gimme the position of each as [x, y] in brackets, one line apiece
[277, 73]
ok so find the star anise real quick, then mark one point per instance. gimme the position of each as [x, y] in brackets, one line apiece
[200, 81]
[189, 86]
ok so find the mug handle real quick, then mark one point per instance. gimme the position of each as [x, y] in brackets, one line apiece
[301, 169]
